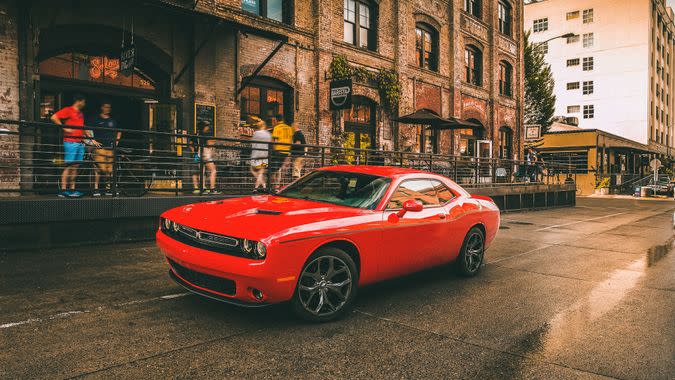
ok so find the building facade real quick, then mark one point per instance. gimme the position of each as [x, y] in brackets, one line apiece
[616, 73]
[242, 58]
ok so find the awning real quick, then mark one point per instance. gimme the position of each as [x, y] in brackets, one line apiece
[434, 121]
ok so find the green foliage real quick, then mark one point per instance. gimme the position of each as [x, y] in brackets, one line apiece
[539, 98]
[387, 82]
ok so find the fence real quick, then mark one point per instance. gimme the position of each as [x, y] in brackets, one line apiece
[32, 162]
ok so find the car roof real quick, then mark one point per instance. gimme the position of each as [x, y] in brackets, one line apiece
[384, 171]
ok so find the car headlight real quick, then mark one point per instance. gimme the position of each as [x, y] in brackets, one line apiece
[260, 250]
[166, 224]
[247, 245]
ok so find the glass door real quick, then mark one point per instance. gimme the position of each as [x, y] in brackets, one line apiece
[484, 160]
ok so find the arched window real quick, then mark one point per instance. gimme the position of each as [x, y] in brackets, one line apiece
[473, 64]
[505, 143]
[426, 46]
[473, 7]
[266, 97]
[505, 79]
[360, 123]
[360, 23]
[505, 18]
[468, 138]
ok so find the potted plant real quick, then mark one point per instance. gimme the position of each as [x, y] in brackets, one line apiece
[602, 187]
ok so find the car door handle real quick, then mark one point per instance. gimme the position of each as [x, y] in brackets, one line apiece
[442, 216]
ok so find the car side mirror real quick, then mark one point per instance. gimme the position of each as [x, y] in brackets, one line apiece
[410, 205]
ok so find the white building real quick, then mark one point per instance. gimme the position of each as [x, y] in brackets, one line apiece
[616, 73]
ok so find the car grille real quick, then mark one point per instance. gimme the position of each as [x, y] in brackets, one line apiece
[206, 240]
[217, 284]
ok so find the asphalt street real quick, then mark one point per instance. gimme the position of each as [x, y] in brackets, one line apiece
[584, 292]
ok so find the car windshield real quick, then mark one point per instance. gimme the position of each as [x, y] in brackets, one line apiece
[339, 188]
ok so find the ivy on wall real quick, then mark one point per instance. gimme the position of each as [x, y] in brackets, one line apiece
[386, 80]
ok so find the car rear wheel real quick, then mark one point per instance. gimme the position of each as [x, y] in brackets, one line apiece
[471, 256]
[327, 286]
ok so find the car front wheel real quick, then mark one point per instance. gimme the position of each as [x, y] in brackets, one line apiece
[471, 256]
[327, 286]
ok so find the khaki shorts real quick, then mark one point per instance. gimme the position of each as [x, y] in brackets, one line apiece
[298, 163]
[104, 160]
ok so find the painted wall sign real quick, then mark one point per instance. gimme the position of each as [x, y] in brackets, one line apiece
[341, 94]
[205, 113]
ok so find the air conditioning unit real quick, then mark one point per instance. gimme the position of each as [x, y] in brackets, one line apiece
[572, 120]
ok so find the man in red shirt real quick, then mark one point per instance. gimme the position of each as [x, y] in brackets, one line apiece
[73, 147]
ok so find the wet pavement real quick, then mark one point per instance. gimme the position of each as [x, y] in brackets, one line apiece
[587, 292]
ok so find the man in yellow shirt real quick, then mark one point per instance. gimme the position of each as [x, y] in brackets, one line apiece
[281, 153]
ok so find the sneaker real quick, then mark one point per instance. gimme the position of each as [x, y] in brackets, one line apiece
[96, 193]
[206, 192]
[196, 191]
[63, 194]
[215, 192]
[109, 193]
[75, 194]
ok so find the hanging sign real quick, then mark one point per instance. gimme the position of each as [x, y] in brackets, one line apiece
[128, 60]
[341, 94]
[532, 132]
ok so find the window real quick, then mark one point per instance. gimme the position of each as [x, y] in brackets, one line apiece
[588, 88]
[573, 39]
[278, 10]
[588, 16]
[505, 79]
[542, 47]
[473, 65]
[505, 18]
[573, 109]
[588, 40]
[540, 25]
[573, 62]
[426, 44]
[505, 143]
[421, 190]
[428, 140]
[473, 7]
[589, 111]
[359, 24]
[572, 15]
[588, 64]
[576, 161]
[573, 85]
[264, 98]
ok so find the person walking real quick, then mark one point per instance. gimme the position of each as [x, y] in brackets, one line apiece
[298, 151]
[206, 154]
[260, 155]
[280, 157]
[105, 139]
[73, 145]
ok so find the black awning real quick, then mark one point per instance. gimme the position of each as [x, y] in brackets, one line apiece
[434, 121]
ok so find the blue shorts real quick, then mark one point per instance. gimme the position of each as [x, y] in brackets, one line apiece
[73, 152]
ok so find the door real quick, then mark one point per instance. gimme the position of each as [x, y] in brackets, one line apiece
[484, 156]
[416, 240]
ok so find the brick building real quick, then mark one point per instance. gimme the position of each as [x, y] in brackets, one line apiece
[459, 58]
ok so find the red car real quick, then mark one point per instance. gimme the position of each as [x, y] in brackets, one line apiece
[326, 235]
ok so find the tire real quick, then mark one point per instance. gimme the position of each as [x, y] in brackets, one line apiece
[470, 259]
[322, 294]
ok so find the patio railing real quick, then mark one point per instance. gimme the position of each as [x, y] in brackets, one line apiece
[148, 162]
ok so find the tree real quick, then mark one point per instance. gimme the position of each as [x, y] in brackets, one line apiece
[539, 98]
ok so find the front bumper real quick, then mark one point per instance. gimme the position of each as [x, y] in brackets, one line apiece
[275, 279]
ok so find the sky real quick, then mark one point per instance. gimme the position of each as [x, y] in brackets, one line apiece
[671, 3]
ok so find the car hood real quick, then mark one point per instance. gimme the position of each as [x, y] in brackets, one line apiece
[265, 216]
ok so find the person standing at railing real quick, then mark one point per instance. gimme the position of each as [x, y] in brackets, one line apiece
[260, 145]
[73, 145]
[205, 153]
[280, 158]
[298, 151]
[105, 138]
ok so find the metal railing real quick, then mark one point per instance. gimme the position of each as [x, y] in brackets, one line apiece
[148, 162]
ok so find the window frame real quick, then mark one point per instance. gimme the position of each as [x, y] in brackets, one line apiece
[505, 143]
[473, 72]
[588, 40]
[573, 62]
[371, 43]
[587, 16]
[431, 64]
[505, 18]
[588, 87]
[587, 64]
[474, 8]
[540, 25]
[575, 108]
[506, 83]
[286, 10]
[588, 111]
[573, 86]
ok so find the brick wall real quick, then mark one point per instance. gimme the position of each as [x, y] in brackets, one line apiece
[9, 96]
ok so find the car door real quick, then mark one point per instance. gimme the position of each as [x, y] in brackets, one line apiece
[413, 241]
[453, 235]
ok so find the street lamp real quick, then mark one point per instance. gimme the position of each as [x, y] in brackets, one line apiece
[566, 35]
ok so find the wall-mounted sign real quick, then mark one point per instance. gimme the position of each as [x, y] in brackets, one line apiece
[127, 60]
[205, 113]
[532, 131]
[341, 94]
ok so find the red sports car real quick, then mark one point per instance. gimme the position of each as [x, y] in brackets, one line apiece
[326, 235]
